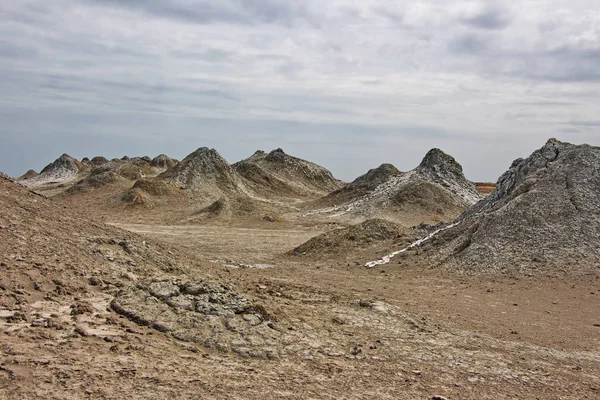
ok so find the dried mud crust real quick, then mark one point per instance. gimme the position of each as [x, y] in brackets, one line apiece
[210, 314]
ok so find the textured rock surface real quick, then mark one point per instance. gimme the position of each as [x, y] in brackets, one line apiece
[209, 314]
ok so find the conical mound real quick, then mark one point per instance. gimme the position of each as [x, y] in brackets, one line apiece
[435, 191]
[28, 175]
[201, 170]
[163, 162]
[280, 174]
[63, 169]
[362, 185]
[196, 182]
[349, 240]
[544, 212]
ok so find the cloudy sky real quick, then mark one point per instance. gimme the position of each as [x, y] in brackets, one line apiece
[347, 84]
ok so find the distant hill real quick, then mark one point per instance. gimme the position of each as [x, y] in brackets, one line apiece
[280, 174]
[435, 191]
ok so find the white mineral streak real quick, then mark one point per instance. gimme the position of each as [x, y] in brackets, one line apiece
[386, 259]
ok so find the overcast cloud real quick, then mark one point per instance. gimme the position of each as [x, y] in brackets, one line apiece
[347, 84]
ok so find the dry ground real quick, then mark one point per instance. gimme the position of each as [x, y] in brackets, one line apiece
[387, 332]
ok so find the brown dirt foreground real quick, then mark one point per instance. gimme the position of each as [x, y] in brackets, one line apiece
[344, 331]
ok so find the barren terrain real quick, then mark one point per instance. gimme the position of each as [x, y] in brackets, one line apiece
[119, 302]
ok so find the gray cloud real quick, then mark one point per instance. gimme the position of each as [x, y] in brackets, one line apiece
[488, 19]
[469, 44]
[206, 11]
[347, 85]
[585, 123]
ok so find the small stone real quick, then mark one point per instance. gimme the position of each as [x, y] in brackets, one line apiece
[366, 303]
[95, 281]
[438, 398]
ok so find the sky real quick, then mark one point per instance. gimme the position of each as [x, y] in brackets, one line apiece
[346, 84]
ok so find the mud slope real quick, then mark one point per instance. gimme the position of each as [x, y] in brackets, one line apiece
[345, 242]
[192, 185]
[361, 186]
[544, 213]
[435, 191]
[281, 175]
[63, 170]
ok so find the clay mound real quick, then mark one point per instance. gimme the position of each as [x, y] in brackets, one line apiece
[150, 191]
[442, 169]
[438, 179]
[284, 175]
[426, 199]
[163, 162]
[374, 177]
[63, 169]
[136, 168]
[202, 178]
[355, 237]
[201, 170]
[113, 172]
[226, 207]
[544, 213]
[28, 175]
[361, 185]
[94, 181]
[220, 208]
[98, 160]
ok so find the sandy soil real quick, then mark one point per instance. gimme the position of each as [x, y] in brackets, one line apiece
[345, 331]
